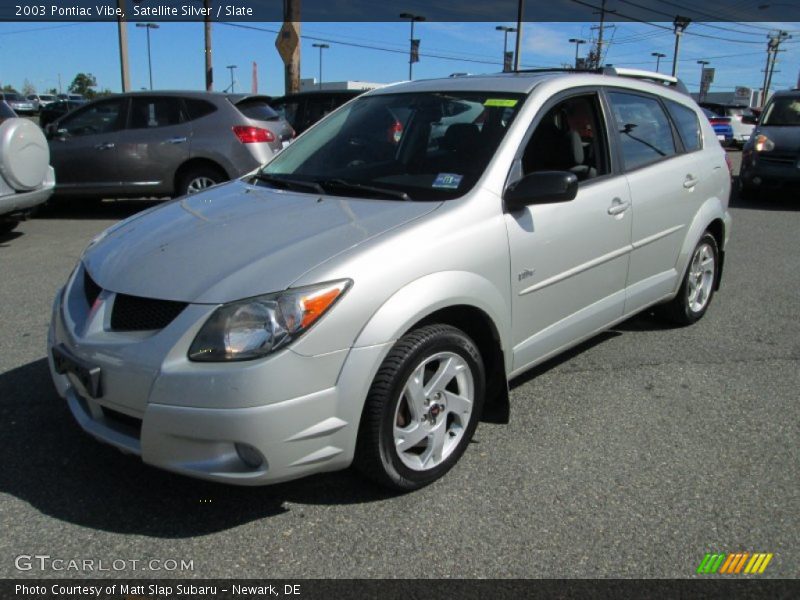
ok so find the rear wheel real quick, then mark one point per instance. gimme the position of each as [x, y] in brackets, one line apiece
[697, 288]
[422, 409]
[197, 179]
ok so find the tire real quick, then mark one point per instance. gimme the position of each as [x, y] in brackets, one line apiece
[7, 226]
[196, 179]
[404, 442]
[697, 288]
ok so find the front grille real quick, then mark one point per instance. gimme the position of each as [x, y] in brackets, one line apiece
[778, 159]
[132, 313]
[90, 288]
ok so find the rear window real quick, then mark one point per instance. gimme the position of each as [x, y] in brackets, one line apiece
[687, 124]
[644, 130]
[196, 108]
[257, 109]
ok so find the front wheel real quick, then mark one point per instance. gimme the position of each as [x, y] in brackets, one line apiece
[422, 409]
[697, 288]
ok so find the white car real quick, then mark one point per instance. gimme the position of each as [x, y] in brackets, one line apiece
[26, 177]
[742, 120]
[360, 298]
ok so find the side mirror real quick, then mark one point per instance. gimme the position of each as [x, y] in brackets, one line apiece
[541, 187]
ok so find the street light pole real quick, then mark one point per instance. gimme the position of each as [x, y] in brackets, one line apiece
[680, 23]
[321, 48]
[518, 44]
[231, 68]
[413, 18]
[148, 27]
[659, 56]
[577, 43]
[702, 64]
[506, 30]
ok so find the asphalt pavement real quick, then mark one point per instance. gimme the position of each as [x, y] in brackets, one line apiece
[630, 456]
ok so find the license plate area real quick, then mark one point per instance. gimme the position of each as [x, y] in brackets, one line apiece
[89, 376]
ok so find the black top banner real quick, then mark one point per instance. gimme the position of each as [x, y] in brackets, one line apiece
[390, 10]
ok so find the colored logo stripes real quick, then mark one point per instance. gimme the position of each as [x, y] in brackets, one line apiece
[734, 563]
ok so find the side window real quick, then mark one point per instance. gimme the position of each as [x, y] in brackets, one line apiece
[687, 124]
[196, 108]
[644, 130]
[570, 137]
[103, 117]
[147, 113]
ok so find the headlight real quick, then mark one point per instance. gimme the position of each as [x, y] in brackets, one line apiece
[764, 144]
[253, 328]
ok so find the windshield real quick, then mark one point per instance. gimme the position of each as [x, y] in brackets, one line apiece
[417, 146]
[782, 111]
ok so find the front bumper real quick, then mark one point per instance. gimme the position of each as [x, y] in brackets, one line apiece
[765, 171]
[299, 414]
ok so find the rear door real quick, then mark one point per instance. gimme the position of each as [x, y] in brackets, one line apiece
[668, 179]
[154, 144]
[83, 150]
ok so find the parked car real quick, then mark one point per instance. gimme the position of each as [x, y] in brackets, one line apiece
[771, 158]
[742, 119]
[163, 143]
[41, 100]
[73, 97]
[57, 109]
[304, 109]
[20, 104]
[26, 177]
[722, 127]
[361, 299]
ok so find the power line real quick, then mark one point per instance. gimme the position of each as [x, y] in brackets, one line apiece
[715, 17]
[40, 28]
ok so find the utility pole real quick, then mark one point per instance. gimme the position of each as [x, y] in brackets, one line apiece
[595, 57]
[288, 45]
[773, 47]
[209, 64]
[680, 23]
[518, 43]
[124, 67]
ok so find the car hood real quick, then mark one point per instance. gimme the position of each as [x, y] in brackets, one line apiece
[786, 138]
[236, 241]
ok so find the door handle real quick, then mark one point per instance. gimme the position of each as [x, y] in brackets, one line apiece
[105, 146]
[689, 182]
[618, 207]
[176, 140]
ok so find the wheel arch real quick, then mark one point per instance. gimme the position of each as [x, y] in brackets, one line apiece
[194, 162]
[712, 217]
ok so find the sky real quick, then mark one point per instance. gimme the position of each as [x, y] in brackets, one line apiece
[376, 52]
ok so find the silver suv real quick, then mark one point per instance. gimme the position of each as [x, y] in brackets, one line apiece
[363, 297]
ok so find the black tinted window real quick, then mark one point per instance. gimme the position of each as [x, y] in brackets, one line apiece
[257, 109]
[154, 112]
[102, 117]
[688, 125]
[197, 108]
[644, 130]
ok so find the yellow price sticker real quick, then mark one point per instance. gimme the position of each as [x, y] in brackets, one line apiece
[504, 102]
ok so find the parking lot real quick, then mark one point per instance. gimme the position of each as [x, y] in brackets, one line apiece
[631, 456]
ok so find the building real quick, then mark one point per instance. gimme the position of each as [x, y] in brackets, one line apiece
[310, 84]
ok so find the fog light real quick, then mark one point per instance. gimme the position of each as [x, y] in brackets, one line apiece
[249, 455]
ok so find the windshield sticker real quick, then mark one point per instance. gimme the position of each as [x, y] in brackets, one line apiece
[504, 102]
[448, 181]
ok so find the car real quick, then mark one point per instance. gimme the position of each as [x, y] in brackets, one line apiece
[54, 110]
[722, 127]
[303, 109]
[361, 299]
[771, 158]
[742, 119]
[162, 143]
[41, 100]
[20, 104]
[72, 97]
[26, 177]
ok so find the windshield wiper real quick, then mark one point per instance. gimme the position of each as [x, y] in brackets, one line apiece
[359, 187]
[290, 183]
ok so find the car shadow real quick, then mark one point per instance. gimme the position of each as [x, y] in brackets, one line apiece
[9, 237]
[51, 464]
[78, 208]
[770, 199]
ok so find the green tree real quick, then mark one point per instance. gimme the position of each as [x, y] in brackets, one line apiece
[83, 84]
[8, 88]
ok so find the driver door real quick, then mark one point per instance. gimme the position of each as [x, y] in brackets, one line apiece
[83, 149]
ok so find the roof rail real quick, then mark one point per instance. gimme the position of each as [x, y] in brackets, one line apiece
[651, 76]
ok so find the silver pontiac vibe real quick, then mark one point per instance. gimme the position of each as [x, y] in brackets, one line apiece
[362, 297]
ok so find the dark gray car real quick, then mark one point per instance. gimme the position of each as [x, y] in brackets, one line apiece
[163, 143]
